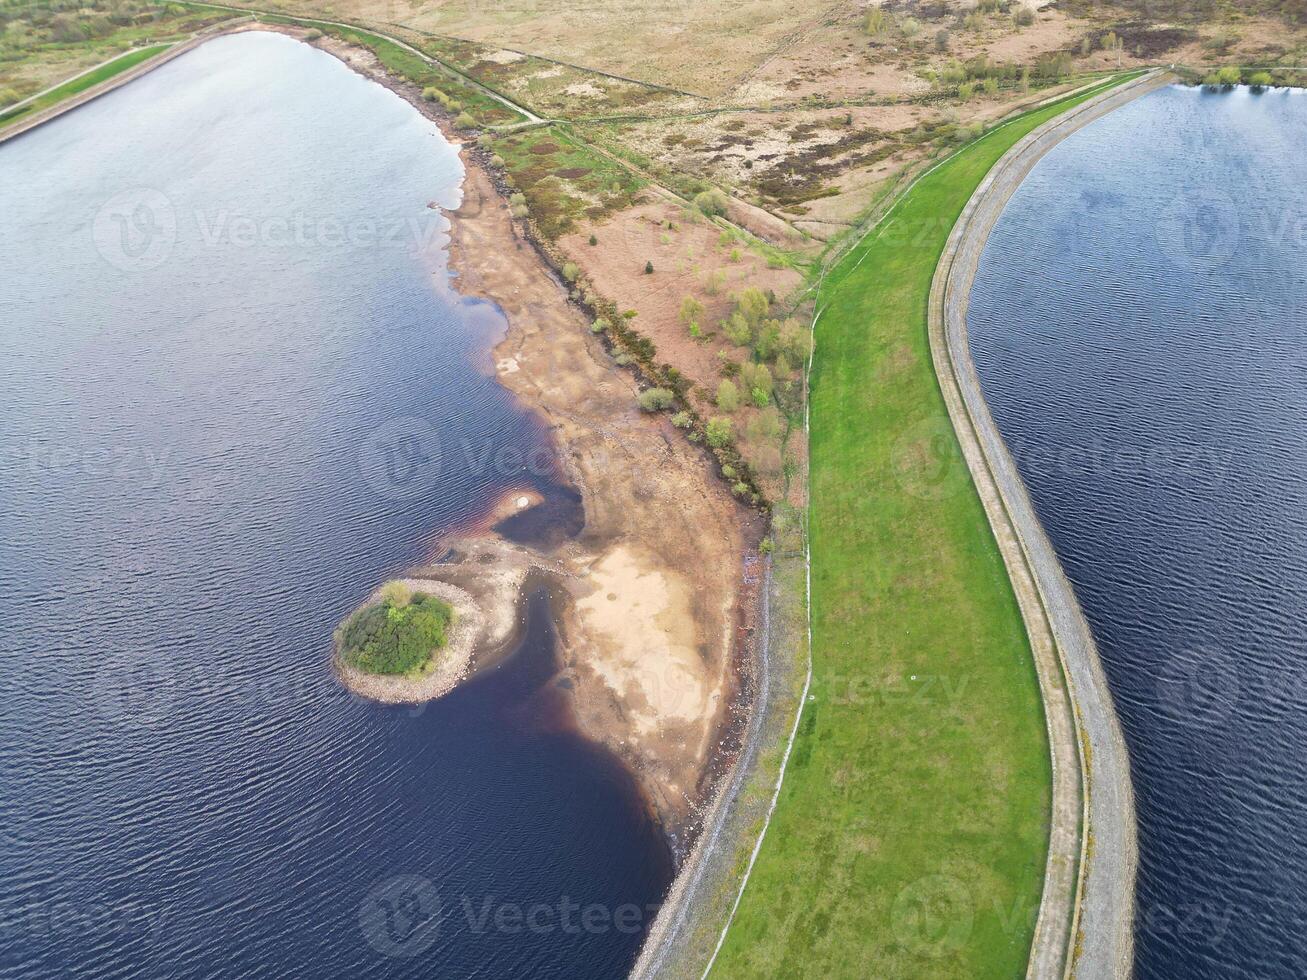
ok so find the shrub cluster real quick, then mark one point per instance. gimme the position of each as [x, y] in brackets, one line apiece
[634, 349]
[399, 635]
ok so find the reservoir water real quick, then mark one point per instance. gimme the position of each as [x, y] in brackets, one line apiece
[1139, 323]
[239, 393]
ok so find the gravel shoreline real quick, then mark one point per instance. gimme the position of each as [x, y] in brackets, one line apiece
[1086, 916]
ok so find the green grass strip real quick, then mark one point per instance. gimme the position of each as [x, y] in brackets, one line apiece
[912, 828]
[78, 85]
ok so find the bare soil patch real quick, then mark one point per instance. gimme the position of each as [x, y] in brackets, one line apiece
[689, 259]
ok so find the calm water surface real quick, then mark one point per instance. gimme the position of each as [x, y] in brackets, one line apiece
[1140, 327]
[238, 394]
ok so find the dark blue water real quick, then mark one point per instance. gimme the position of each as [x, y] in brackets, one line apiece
[238, 394]
[1140, 327]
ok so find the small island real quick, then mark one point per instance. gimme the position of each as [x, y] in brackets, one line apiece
[403, 634]
[411, 641]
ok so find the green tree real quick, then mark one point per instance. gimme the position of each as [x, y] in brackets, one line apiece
[766, 426]
[712, 202]
[753, 305]
[719, 432]
[795, 341]
[737, 330]
[728, 396]
[1260, 80]
[769, 338]
[656, 399]
[691, 311]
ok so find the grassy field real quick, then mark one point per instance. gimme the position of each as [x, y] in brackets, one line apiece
[911, 832]
[130, 60]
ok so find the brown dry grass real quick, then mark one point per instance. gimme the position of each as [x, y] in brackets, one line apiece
[690, 259]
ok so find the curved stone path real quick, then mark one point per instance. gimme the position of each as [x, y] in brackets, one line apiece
[1086, 916]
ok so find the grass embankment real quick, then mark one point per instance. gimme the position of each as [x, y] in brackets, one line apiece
[78, 85]
[912, 827]
[399, 635]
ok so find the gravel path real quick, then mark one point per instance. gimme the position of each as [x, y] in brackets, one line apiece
[1085, 923]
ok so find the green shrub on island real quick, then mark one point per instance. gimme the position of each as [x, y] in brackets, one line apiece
[399, 635]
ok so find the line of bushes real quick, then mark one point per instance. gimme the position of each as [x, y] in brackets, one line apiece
[1259, 79]
[634, 350]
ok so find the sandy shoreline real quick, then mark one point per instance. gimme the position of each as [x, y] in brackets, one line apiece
[657, 614]
[1086, 914]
